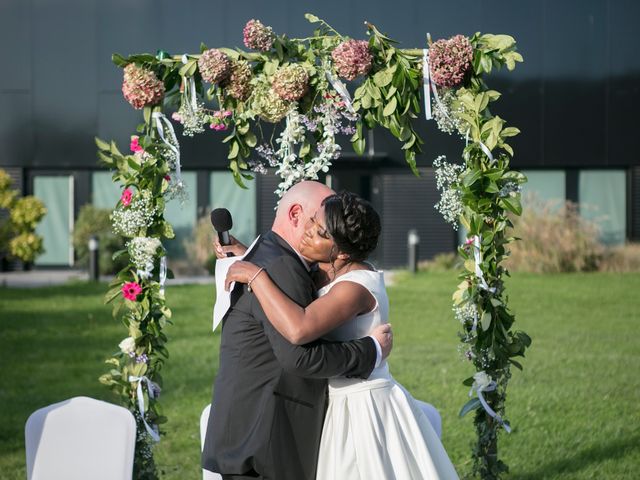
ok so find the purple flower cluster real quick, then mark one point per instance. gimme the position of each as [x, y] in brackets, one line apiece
[449, 60]
[267, 159]
[310, 124]
[290, 82]
[214, 65]
[143, 358]
[238, 85]
[352, 58]
[141, 87]
[258, 36]
[333, 114]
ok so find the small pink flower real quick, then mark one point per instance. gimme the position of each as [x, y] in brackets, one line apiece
[468, 241]
[227, 113]
[131, 290]
[134, 145]
[218, 126]
[176, 117]
[125, 198]
[217, 114]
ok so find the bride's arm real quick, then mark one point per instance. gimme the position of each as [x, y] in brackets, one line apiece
[301, 325]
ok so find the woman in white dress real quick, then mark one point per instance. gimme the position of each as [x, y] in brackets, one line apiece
[373, 428]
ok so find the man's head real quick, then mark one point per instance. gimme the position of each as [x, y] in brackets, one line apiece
[296, 206]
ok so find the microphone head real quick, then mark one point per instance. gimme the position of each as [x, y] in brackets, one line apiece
[221, 220]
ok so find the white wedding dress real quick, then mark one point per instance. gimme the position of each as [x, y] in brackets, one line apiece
[373, 428]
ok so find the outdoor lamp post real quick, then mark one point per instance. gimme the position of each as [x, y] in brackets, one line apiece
[413, 244]
[94, 264]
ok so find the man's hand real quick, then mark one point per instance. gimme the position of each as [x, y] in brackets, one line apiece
[384, 336]
[236, 247]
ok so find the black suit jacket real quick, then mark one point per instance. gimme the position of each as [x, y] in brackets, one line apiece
[269, 397]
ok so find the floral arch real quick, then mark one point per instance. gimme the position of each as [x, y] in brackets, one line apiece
[298, 83]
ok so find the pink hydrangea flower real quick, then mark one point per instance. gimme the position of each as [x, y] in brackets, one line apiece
[126, 196]
[135, 145]
[352, 59]
[131, 290]
[291, 82]
[141, 87]
[238, 85]
[214, 65]
[257, 36]
[450, 60]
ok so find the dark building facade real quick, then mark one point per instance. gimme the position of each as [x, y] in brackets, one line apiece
[574, 98]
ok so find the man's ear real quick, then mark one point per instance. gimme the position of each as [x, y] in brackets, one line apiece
[295, 214]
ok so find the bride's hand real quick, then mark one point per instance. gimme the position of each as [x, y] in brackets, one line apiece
[241, 272]
[384, 336]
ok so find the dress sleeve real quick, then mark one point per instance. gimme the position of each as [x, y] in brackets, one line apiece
[320, 358]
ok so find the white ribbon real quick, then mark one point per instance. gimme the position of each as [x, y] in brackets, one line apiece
[172, 143]
[341, 88]
[163, 273]
[488, 388]
[426, 82]
[484, 148]
[430, 86]
[152, 394]
[477, 256]
[190, 89]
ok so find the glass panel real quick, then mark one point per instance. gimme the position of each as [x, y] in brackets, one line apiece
[182, 216]
[603, 198]
[104, 191]
[55, 228]
[544, 186]
[224, 192]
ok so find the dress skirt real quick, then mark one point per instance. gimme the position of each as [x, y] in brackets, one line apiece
[374, 430]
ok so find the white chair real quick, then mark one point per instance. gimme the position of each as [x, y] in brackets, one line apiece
[80, 438]
[433, 415]
[204, 420]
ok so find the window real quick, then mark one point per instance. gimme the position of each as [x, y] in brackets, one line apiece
[544, 186]
[105, 194]
[55, 228]
[224, 192]
[603, 199]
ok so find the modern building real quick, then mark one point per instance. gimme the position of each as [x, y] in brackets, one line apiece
[575, 98]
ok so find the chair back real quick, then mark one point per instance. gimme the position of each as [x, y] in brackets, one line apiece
[80, 438]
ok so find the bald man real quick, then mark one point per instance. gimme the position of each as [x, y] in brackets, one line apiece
[269, 397]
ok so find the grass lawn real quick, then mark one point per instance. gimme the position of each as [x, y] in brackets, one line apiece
[575, 409]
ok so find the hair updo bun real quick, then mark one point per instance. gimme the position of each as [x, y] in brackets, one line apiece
[353, 223]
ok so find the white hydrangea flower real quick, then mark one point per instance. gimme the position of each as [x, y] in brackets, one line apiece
[450, 204]
[481, 380]
[128, 345]
[142, 251]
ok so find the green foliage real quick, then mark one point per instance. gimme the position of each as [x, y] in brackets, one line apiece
[94, 221]
[145, 317]
[18, 231]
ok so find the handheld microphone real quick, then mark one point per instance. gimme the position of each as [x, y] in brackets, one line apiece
[222, 223]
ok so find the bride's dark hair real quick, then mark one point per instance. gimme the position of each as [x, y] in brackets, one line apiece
[353, 223]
